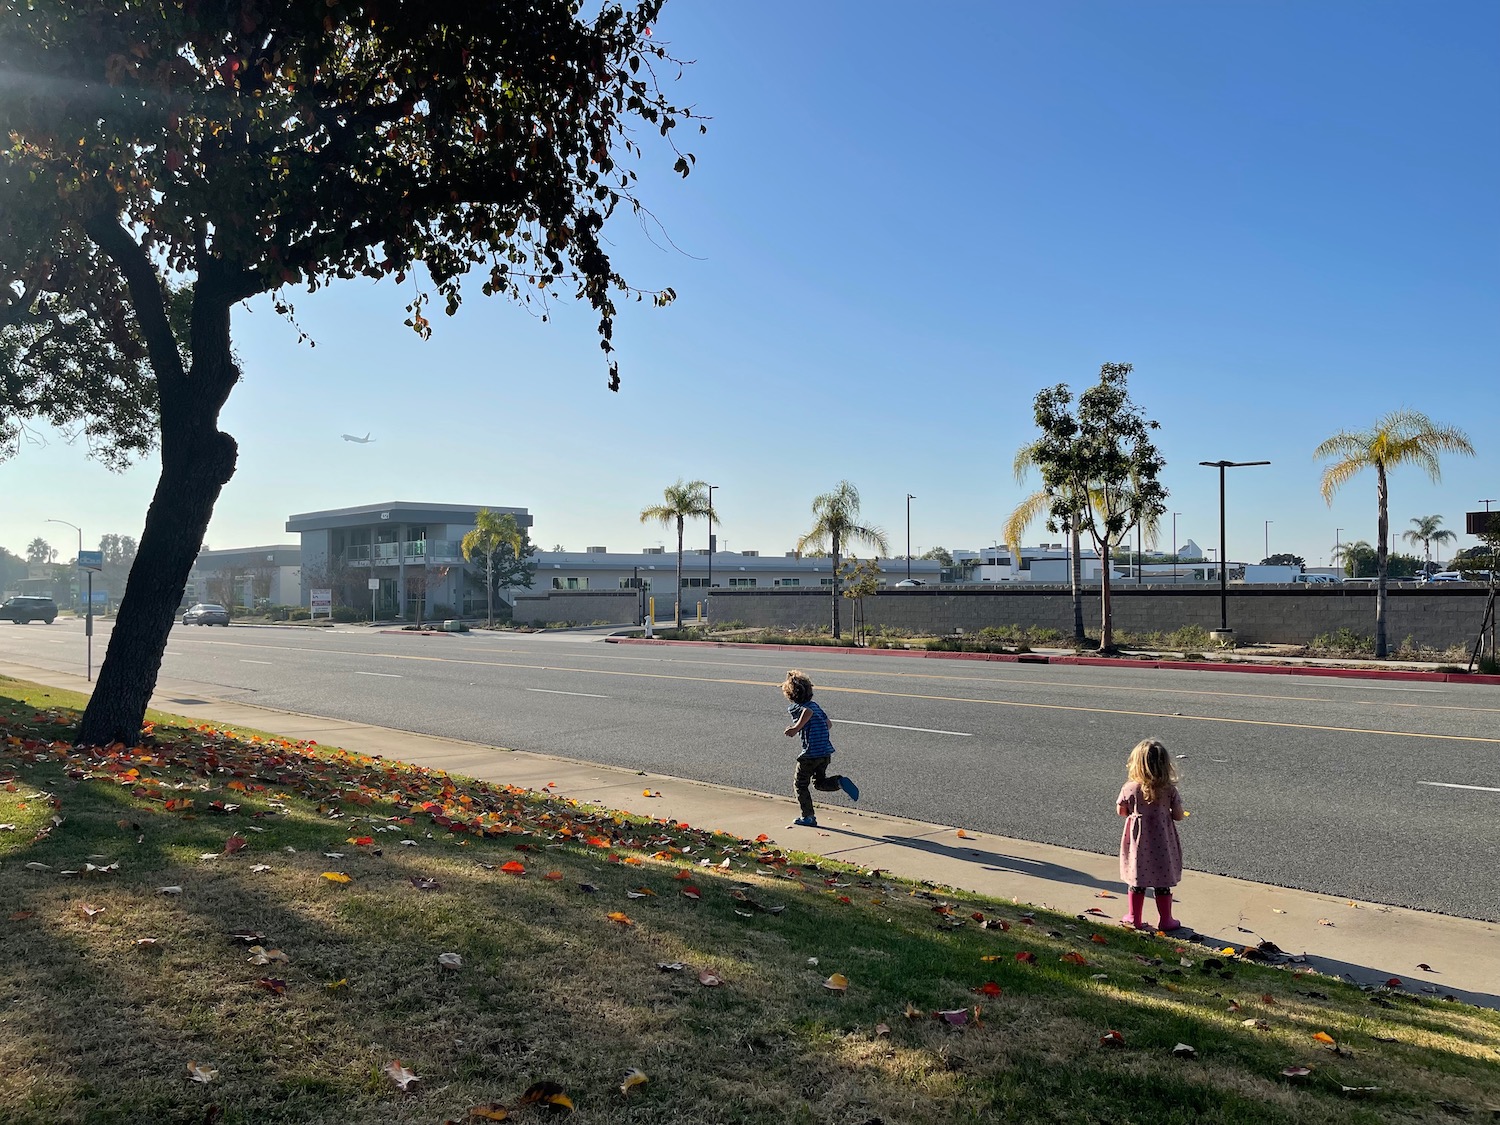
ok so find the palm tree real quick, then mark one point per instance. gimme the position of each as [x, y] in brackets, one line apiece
[1402, 437]
[682, 501]
[1428, 530]
[492, 533]
[40, 551]
[1351, 556]
[836, 523]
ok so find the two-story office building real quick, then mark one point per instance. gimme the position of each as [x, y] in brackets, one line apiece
[244, 576]
[399, 554]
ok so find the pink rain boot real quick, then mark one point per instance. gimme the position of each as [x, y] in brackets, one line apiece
[1132, 919]
[1164, 910]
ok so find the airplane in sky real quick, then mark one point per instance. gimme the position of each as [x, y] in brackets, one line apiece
[358, 440]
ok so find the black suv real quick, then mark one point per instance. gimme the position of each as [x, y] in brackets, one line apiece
[22, 609]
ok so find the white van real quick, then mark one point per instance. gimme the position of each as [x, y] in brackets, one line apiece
[1315, 579]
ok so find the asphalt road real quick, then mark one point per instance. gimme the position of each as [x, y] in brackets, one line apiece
[1383, 792]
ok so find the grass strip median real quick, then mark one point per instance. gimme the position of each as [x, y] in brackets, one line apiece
[220, 925]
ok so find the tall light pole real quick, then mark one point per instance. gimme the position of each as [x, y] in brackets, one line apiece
[1223, 556]
[1336, 532]
[1268, 537]
[909, 499]
[78, 529]
[711, 537]
[1174, 545]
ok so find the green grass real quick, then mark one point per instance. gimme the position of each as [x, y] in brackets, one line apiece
[96, 1028]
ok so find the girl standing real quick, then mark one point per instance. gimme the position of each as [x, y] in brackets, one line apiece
[1150, 852]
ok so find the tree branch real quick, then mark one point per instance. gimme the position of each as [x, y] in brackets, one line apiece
[145, 296]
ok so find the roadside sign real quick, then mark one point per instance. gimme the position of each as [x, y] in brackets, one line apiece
[1477, 523]
[374, 583]
[91, 560]
[320, 601]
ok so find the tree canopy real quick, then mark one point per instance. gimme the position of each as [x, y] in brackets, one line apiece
[836, 525]
[683, 501]
[167, 162]
[1100, 469]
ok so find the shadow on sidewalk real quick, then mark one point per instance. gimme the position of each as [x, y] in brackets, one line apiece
[989, 861]
[1425, 988]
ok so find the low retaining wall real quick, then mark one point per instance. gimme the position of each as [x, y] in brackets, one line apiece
[1432, 616]
[615, 607]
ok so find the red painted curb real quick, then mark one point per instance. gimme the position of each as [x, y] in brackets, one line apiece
[1103, 661]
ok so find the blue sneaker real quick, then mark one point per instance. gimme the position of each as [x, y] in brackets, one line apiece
[805, 822]
[850, 788]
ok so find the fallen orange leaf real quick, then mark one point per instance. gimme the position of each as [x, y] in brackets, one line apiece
[988, 988]
[1324, 1037]
[336, 877]
[837, 983]
[618, 917]
[513, 867]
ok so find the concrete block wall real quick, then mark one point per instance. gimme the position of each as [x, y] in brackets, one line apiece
[1433, 616]
[617, 607]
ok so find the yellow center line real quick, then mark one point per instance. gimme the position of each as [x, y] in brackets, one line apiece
[896, 695]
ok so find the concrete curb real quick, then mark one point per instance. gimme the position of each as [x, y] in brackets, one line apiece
[1099, 661]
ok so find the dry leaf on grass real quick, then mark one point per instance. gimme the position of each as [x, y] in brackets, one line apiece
[259, 955]
[425, 883]
[619, 918]
[514, 867]
[89, 910]
[709, 980]
[202, 1072]
[491, 1111]
[1026, 957]
[1183, 1051]
[1111, 1038]
[837, 983]
[548, 1094]
[336, 877]
[988, 988]
[174, 890]
[632, 1079]
[450, 961]
[273, 985]
[882, 1029]
[1296, 1072]
[955, 1016]
[398, 1074]
[234, 844]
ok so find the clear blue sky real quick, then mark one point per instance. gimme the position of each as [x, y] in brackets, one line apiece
[905, 220]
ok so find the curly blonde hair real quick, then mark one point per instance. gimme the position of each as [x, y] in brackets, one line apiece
[1150, 767]
[798, 687]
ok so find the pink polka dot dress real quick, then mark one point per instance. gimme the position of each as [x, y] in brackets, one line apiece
[1150, 852]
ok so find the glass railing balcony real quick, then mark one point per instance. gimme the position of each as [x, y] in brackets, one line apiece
[358, 556]
[386, 552]
[415, 549]
[445, 550]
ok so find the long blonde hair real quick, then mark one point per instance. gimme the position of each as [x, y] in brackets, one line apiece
[1150, 767]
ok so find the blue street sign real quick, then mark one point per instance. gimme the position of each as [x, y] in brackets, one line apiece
[91, 560]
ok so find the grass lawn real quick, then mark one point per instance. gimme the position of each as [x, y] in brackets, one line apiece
[220, 926]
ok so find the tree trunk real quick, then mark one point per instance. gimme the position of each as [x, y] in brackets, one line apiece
[1382, 560]
[678, 600]
[197, 460]
[1076, 575]
[489, 587]
[836, 591]
[1106, 611]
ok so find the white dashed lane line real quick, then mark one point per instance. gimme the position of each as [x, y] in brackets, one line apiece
[582, 694]
[383, 675]
[1455, 785]
[893, 726]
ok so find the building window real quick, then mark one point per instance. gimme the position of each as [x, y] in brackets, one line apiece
[788, 581]
[741, 582]
[825, 581]
[560, 583]
[694, 583]
[635, 583]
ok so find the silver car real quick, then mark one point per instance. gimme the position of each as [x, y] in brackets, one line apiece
[205, 614]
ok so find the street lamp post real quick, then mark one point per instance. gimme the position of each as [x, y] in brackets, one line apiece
[1223, 631]
[1268, 537]
[710, 539]
[88, 618]
[1336, 533]
[1174, 545]
[909, 499]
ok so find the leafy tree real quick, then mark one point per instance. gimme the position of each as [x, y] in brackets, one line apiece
[836, 525]
[861, 580]
[683, 501]
[234, 150]
[1428, 530]
[940, 555]
[12, 568]
[1034, 507]
[119, 557]
[1283, 559]
[1402, 437]
[40, 551]
[494, 535]
[1100, 469]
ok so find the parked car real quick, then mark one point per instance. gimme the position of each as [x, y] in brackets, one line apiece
[1446, 576]
[1315, 579]
[23, 608]
[907, 583]
[206, 614]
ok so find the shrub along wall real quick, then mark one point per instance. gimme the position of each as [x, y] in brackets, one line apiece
[1433, 616]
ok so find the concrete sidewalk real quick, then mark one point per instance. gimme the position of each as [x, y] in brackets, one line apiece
[1367, 942]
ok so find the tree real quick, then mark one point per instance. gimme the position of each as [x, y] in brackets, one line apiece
[862, 579]
[1357, 558]
[940, 555]
[493, 533]
[12, 568]
[836, 523]
[683, 501]
[1099, 468]
[40, 551]
[119, 557]
[1428, 530]
[1402, 437]
[191, 156]
[1032, 508]
[1284, 559]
